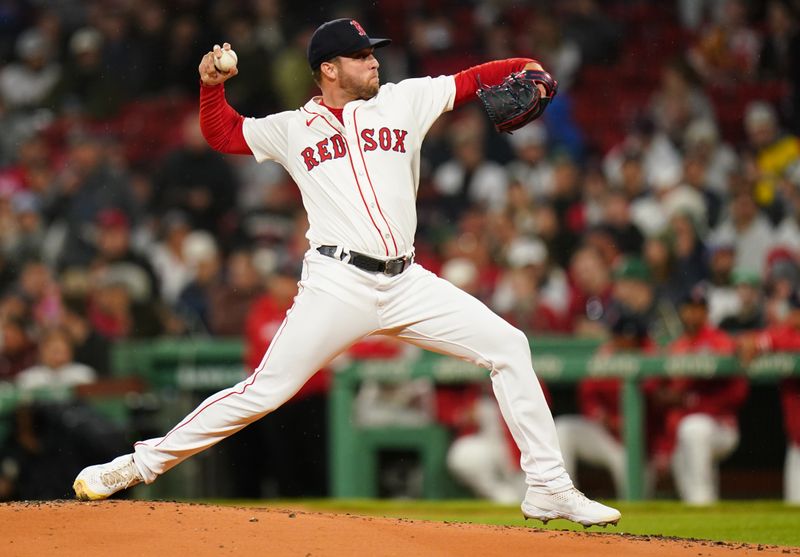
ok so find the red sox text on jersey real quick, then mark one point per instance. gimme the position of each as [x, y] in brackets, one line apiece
[334, 147]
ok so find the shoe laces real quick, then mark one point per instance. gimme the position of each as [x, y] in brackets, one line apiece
[121, 477]
[572, 495]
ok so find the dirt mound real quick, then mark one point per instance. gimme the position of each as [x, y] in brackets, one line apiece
[126, 528]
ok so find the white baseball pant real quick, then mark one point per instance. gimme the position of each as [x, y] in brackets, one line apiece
[338, 304]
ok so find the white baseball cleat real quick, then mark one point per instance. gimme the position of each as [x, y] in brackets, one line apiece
[570, 504]
[104, 480]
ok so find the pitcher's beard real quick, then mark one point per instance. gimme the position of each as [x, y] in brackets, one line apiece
[364, 90]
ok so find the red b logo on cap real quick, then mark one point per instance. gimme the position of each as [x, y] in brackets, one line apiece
[358, 27]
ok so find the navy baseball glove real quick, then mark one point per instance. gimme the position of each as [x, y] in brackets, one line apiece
[517, 100]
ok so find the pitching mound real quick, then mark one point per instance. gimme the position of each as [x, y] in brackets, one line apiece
[123, 528]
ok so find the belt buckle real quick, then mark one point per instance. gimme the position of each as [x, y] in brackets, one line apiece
[394, 267]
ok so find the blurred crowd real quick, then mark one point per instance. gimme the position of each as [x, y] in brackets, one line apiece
[669, 159]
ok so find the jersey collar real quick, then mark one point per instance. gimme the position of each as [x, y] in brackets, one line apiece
[315, 112]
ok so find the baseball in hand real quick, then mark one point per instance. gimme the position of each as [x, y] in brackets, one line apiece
[227, 61]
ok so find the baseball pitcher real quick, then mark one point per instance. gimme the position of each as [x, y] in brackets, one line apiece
[354, 152]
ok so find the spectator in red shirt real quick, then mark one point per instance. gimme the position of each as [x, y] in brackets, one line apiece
[784, 337]
[595, 435]
[698, 415]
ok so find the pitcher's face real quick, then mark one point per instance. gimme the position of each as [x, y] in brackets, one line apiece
[357, 73]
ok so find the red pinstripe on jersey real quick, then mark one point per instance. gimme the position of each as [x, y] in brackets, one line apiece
[355, 177]
[369, 179]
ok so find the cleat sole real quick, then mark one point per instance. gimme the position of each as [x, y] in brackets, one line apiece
[83, 493]
[585, 524]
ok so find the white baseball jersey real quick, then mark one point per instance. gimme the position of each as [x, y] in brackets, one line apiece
[359, 185]
[358, 180]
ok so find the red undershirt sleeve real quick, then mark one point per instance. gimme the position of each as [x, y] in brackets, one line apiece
[490, 73]
[220, 123]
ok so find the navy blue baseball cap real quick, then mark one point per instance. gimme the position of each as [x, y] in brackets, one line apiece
[337, 37]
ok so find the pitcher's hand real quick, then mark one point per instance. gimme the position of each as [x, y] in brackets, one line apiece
[209, 74]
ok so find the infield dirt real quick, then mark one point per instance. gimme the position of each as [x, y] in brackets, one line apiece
[164, 529]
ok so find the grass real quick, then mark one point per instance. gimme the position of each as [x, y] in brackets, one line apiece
[757, 522]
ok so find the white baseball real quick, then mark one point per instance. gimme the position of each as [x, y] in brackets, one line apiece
[227, 61]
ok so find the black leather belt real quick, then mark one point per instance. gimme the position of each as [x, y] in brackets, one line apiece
[389, 267]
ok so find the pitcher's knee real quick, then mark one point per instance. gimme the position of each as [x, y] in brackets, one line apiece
[516, 345]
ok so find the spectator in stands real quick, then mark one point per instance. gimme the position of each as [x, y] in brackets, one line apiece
[120, 305]
[194, 302]
[644, 208]
[18, 351]
[89, 347]
[522, 289]
[787, 234]
[707, 204]
[27, 237]
[567, 199]
[750, 313]
[597, 35]
[184, 40]
[254, 94]
[26, 84]
[469, 178]
[675, 196]
[695, 13]
[748, 230]
[617, 217]
[167, 259]
[595, 187]
[519, 216]
[591, 289]
[87, 185]
[783, 337]
[781, 43]
[40, 291]
[562, 55]
[727, 51]
[702, 143]
[779, 51]
[114, 250]
[87, 86]
[699, 415]
[595, 435]
[691, 259]
[560, 237]
[230, 299]
[658, 255]
[657, 152]
[198, 181]
[722, 298]
[781, 279]
[291, 82]
[56, 366]
[773, 152]
[531, 167]
[678, 101]
[633, 291]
